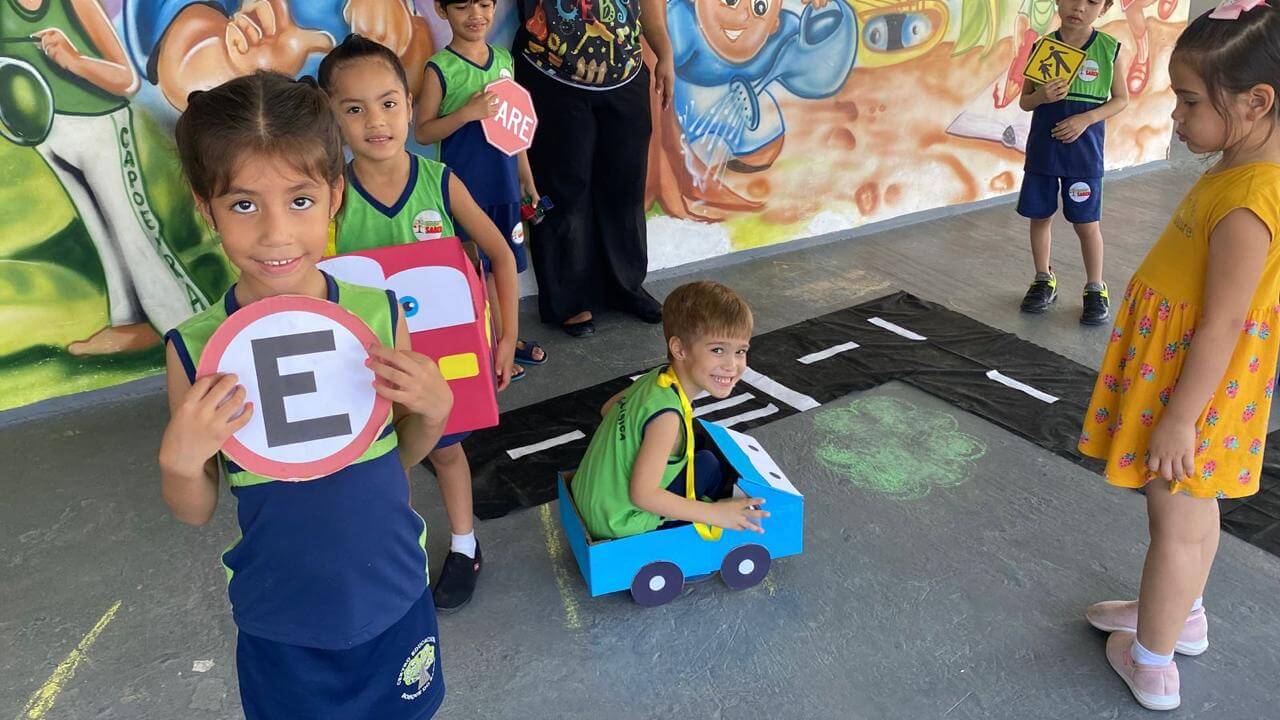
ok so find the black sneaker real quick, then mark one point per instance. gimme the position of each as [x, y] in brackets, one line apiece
[457, 581]
[1040, 296]
[1097, 307]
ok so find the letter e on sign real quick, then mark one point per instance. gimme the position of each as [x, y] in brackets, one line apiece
[302, 364]
[511, 129]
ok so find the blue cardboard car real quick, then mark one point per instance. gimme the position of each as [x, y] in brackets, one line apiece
[654, 565]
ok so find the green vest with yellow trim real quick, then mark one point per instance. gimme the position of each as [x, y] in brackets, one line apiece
[601, 487]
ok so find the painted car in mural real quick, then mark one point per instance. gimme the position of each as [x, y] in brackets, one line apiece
[655, 565]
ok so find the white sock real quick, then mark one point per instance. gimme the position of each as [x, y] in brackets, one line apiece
[1199, 603]
[1143, 656]
[465, 544]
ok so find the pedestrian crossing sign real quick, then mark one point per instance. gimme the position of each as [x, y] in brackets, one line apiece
[1052, 60]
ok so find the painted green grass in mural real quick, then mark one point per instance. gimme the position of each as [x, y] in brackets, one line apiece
[45, 372]
[52, 290]
[890, 446]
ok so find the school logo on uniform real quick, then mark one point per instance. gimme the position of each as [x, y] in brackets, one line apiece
[1080, 192]
[517, 234]
[428, 225]
[1088, 71]
[504, 73]
[419, 670]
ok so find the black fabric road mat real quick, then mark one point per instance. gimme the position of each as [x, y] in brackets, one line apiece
[952, 363]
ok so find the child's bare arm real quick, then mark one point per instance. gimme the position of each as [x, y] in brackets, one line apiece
[660, 435]
[201, 418]
[489, 239]
[1034, 95]
[1071, 128]
[429, 128]
[421, 396]
[527, 185]
[1237, 253]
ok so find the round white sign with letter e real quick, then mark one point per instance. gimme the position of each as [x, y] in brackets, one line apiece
[301, 362]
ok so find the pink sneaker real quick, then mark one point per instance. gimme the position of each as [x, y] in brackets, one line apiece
[1154, 687]
[1122, 616]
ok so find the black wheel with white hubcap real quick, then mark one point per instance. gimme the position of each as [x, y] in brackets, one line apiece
[745, 566]
[656, 584]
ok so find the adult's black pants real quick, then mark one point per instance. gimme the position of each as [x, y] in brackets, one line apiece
[589, 155]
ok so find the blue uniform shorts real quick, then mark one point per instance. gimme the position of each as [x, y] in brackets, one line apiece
[394, 676]
[507, 218]
[1081, 198]
[451, 440]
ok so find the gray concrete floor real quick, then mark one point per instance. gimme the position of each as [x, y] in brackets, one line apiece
[966, 603]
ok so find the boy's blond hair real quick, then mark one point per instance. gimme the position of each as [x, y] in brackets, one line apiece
[703, 308]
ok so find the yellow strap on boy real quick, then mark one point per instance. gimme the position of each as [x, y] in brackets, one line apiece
[668, 379]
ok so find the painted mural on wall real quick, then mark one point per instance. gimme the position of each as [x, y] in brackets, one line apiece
[791, 118]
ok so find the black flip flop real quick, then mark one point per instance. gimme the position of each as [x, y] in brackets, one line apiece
[580, 329]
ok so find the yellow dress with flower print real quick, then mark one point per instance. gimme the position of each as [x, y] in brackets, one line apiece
[1155, 326]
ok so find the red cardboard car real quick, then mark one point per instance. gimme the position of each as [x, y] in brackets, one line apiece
[445, 307]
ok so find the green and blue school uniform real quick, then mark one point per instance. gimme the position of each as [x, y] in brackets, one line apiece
[1072, 170]
[491, 176]
[328, 580]
[420, 213]
[601, 486]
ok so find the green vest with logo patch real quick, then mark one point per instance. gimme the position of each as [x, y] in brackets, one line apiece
[1092, 82]
[420, 213]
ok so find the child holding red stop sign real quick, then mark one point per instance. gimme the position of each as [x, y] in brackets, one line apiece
[452, 106]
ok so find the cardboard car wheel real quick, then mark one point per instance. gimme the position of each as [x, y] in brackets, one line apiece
[656, 584]
[745, 566]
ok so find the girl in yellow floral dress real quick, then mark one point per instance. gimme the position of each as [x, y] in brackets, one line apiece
[1184, 391]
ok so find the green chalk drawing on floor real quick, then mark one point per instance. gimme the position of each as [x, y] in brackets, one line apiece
[890, 446]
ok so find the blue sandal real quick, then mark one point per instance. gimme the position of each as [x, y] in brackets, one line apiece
[524, 355]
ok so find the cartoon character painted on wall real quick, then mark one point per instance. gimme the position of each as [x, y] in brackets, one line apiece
[187, 45]
[730, 57]
[69, 51]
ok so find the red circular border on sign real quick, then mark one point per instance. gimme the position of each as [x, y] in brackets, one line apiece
[252, 461]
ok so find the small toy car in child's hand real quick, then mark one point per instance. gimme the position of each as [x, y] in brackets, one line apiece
[534, 213]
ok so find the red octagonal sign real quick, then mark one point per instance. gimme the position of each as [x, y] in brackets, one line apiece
[511, 129]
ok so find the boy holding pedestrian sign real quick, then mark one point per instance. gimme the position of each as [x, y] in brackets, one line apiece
[1075, 83]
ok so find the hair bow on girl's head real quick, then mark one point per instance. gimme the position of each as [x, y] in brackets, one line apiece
[1231, 9]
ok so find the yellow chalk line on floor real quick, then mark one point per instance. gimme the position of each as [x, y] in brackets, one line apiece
[42, 701]
[558, 566]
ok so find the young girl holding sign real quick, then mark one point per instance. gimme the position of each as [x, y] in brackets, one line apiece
[1181, 404]
[328, 583]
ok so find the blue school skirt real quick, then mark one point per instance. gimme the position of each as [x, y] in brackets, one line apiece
[394, 676]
